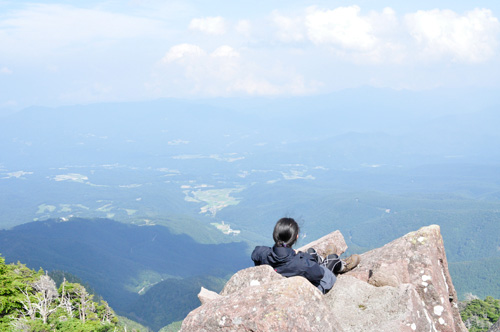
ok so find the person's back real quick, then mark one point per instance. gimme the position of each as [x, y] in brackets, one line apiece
[289, 262]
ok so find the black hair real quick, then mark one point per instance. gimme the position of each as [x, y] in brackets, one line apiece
[285, 232]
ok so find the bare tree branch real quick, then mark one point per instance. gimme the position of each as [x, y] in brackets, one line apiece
[65, 300]
[46, 294]
[28, 304]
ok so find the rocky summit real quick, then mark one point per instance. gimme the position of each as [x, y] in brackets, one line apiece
[402, 286]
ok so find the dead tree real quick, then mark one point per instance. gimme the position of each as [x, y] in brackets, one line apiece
[46, 293]
[65, 300]
[27, 303]
[86, 304]
[20, 325]
[42, 302]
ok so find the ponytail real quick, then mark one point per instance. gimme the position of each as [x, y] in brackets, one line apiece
[285, 232]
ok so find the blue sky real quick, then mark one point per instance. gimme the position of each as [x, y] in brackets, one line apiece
[68, 52]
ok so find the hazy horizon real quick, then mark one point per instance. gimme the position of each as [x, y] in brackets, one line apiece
[59, 53]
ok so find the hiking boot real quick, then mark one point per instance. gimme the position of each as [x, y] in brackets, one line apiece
[350, 263]
[314, 254]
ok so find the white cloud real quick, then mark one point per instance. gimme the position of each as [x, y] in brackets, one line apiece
[346, 34]
[472, 37]
[385, 24]
[225, 51]
[383, 37]
[191, 70]
[209, 25]
[244, 27]
[343, 26]
[111, 50]
[183, 50]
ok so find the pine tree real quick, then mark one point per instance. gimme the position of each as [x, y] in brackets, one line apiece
[30, 301]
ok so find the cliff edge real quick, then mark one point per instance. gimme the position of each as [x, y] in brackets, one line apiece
[402, 286]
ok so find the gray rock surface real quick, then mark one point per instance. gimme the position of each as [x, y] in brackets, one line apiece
[206, 295]
[325, 244]
[403, 286]
[418, 259]
[363, 307]
[495, 327]
[292, 304]
[251, 277]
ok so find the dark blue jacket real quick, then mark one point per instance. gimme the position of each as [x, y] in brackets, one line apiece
[288, 263]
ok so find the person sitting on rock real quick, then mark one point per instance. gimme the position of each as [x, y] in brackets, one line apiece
[289, 262]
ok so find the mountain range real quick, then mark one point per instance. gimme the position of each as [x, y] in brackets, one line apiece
[214, 176]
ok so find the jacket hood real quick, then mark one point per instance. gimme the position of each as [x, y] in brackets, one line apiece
[280, 255]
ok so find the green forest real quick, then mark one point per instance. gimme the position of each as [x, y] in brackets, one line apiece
[31, 301]
[144, 273]
[479, 315]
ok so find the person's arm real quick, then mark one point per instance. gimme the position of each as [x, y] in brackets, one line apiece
[258, 254]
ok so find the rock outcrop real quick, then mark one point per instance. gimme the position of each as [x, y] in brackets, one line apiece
[403, 286]
[417, 259]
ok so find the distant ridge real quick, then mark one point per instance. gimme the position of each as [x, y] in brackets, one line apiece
[118, 259]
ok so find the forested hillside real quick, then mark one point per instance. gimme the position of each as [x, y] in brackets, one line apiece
[479, 315]
[171, 300]
[195, 185]
[30, 301]
[146, 273]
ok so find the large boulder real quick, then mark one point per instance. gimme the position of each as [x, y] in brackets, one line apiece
[403, 286]
[206, 295]
[292, 304]
[362, 307]
[418, 259]
[253, 276]
[325, 244]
